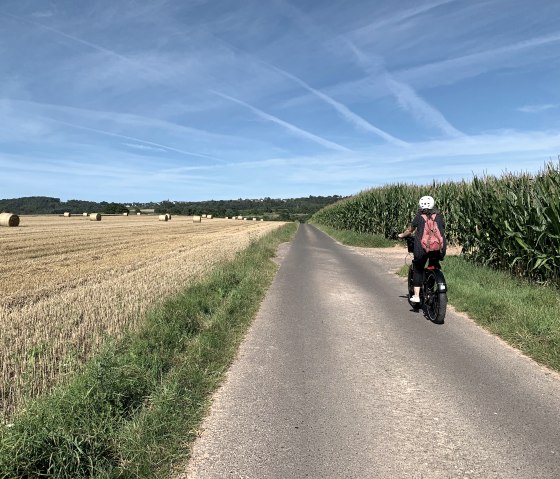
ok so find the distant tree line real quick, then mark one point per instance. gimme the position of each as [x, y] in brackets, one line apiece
[269, 208]
[39, 205]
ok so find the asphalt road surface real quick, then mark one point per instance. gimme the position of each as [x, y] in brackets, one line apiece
[338, 378]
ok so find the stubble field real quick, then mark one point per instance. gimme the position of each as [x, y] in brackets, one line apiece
[68, 283]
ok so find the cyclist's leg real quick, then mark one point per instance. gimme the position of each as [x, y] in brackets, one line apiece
[418, 265]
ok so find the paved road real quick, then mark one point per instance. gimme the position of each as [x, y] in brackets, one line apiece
[339, 379]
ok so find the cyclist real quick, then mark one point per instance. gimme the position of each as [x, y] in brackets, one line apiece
[426, 204]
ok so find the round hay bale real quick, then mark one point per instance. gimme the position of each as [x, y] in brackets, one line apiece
[9, 219]
[196, 219]
[94, 217]
[204, 216]
[163, 217]
[168, 216]
[254, 219]
[138, 214]
[209, 217]
[125, 214]
[67, 214]
[84, 214]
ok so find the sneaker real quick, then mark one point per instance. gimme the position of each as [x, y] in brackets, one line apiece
[414, 299]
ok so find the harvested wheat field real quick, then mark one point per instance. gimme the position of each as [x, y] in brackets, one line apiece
[67, 283]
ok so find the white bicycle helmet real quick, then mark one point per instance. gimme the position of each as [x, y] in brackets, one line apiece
[426, 203]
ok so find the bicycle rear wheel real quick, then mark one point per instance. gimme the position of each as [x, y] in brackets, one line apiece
[435, 301]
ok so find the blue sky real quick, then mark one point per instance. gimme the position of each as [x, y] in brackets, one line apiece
[190, 99]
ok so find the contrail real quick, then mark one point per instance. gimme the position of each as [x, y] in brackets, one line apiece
[94, 46]
[407, 97]
[288, 126]
[343, 110]
[131, 138]
[420, 108]
[400, 16]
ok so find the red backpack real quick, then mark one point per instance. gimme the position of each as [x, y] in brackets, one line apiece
[432, 240]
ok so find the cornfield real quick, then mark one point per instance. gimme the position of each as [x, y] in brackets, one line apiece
[68, 284]
[510, 222]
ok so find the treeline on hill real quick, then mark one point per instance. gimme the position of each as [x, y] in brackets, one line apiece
[269, 208]
[510, 222]
[40, 205]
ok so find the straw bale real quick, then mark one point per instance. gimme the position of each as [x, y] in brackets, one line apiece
[204, 216]
[163, 217]
[9, 219]
[125, 214]
[209, 217]
[94, 217]
[67, 214]
[84, 214]
[196, 219]
[168, 216]
[138, 214]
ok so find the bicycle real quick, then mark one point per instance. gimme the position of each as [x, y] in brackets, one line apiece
[433, 291]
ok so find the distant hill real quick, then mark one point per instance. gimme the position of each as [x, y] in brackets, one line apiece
[268, 208]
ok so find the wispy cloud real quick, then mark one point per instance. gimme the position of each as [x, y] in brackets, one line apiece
[287, 126]
[107, 66]
[42, 14]
[138, 146]
[459, 68]
[33, 116]
[131, 138]
[396, 17]
[538, 108]
[73, 38]
[454, 69]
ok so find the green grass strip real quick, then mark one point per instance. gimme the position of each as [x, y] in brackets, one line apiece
[353, 238]
[138, 403]
[524, 314]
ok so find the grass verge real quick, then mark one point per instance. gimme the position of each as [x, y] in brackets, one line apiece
[353, 238]
[524, 314]
[138, 403]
